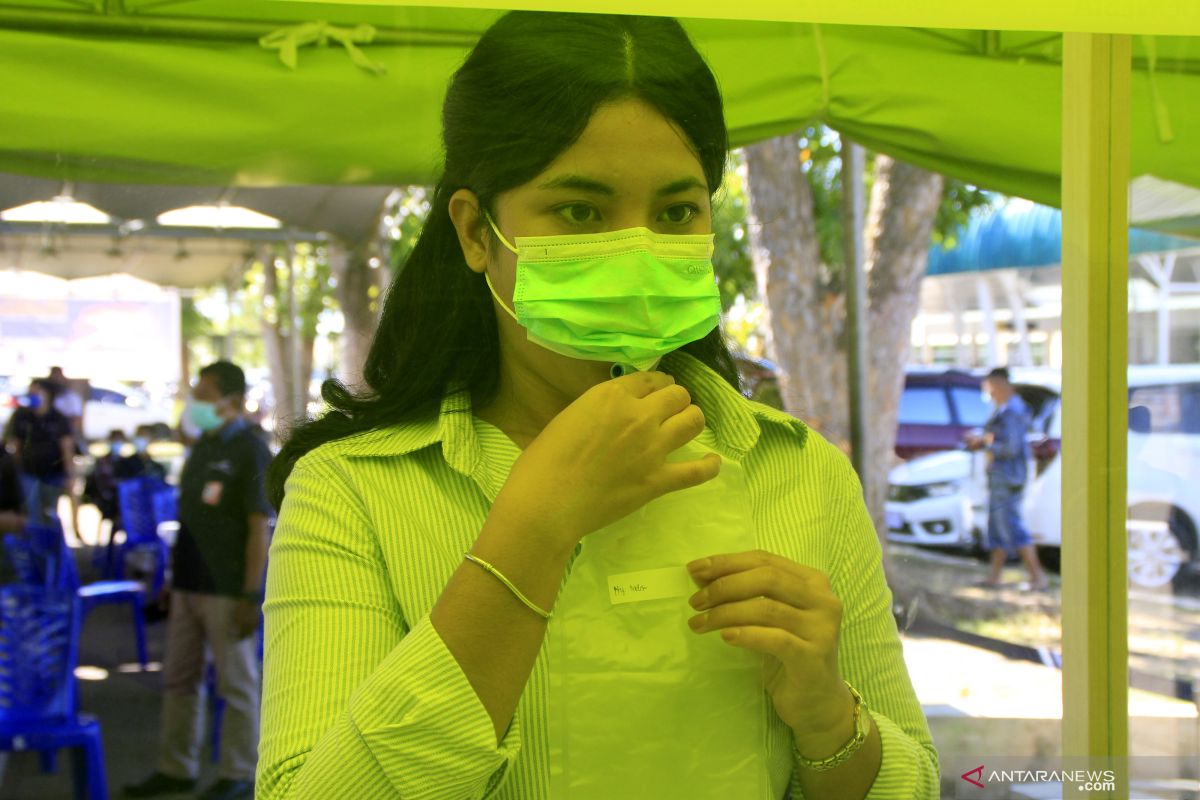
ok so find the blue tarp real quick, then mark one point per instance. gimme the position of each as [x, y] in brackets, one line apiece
[1019, 233]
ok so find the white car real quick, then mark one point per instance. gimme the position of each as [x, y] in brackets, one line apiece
[1162, 477]
[942, 498]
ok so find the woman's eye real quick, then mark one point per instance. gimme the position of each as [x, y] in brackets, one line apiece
[579, 213]
[681, 214]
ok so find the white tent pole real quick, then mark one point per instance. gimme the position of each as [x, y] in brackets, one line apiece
[1095, 201]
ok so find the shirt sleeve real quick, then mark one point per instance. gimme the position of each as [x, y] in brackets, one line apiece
[870, 653]
[254, 498]
[356, 702]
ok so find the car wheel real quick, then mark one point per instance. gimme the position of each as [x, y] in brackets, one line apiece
[1157, 552]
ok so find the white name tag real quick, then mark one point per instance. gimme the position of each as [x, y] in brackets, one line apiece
[650, 584]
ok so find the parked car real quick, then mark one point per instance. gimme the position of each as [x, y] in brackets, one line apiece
[112, 406]
[941, 498]
[1162, 478]
[938, 407]
[108, 406]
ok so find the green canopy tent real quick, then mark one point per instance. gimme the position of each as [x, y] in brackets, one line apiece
[184, 92]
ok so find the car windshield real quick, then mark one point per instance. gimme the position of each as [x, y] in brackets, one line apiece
[972, 409]
[924, 405]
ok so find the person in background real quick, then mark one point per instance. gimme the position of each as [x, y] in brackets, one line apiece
[100, 488]
[40, 438]
[219, 562]
[67, 402]
[12, 496]
[1005, 442]
[139, 463]
[12, 510]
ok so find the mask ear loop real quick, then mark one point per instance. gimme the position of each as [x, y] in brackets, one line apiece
[498, 233]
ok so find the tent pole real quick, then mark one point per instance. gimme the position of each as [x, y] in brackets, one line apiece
[1095, 195]
[856, 306]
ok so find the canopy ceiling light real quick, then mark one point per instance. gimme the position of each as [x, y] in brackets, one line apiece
[217, 216]
[62, 210]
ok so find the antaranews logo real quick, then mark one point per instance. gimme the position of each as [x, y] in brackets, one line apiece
[1087, 780]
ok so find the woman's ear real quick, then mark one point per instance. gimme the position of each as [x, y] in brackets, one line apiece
[466, 216]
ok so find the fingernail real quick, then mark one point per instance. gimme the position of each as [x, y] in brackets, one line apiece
[699, 600]
[699, 566]
[697, 622]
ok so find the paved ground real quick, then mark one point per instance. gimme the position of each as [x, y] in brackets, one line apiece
[980, 705]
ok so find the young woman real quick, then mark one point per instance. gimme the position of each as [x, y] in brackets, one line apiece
[437, 618]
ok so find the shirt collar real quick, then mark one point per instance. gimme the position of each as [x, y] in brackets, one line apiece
[734, 419]
[230, 429]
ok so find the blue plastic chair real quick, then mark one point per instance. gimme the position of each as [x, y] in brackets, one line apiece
[145, 503]
[41, 558]
[38, 699]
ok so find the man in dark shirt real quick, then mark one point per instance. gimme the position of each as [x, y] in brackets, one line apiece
[41, 439]
[219, 561]
[1008, 454]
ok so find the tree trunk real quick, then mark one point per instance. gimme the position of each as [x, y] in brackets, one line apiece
[805, 306]
[805, 317]
[904, 202]
[355, 279]
[277, 341]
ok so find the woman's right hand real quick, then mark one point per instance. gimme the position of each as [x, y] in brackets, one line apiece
[604, 456]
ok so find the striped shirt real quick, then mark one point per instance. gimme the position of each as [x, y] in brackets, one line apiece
[362, 698]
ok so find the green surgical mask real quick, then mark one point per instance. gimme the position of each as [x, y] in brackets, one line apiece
[627, 297]
[204, 415]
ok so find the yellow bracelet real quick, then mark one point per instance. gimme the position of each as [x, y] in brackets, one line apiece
[508, 583]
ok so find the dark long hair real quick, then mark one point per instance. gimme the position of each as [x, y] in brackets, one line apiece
[524, 95]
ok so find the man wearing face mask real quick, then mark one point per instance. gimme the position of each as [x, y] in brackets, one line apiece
[40, 438]
[219, 560]
[1008, 450]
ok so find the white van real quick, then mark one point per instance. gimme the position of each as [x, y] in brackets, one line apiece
[1163, 477]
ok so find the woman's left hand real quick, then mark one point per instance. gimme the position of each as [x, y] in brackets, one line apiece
[770, 604]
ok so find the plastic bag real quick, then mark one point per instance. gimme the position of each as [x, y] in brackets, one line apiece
[640, 706]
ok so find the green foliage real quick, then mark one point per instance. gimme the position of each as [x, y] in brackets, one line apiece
[403, 220]
[263, 299]
[820, 152]
[731, 253]
[193, 323]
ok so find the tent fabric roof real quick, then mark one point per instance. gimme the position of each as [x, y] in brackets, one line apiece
[201, 102]
[1024, 234]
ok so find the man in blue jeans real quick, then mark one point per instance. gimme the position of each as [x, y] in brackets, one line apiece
[1008, 453]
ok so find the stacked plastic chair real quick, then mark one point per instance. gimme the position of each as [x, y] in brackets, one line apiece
[145, 504]
[41, 557]
[39, 628]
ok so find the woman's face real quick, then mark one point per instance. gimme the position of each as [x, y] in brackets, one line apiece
[630, 168]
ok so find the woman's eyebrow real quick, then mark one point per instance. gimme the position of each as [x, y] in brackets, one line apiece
[579, 183]
[585, 184]
[681, 185]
